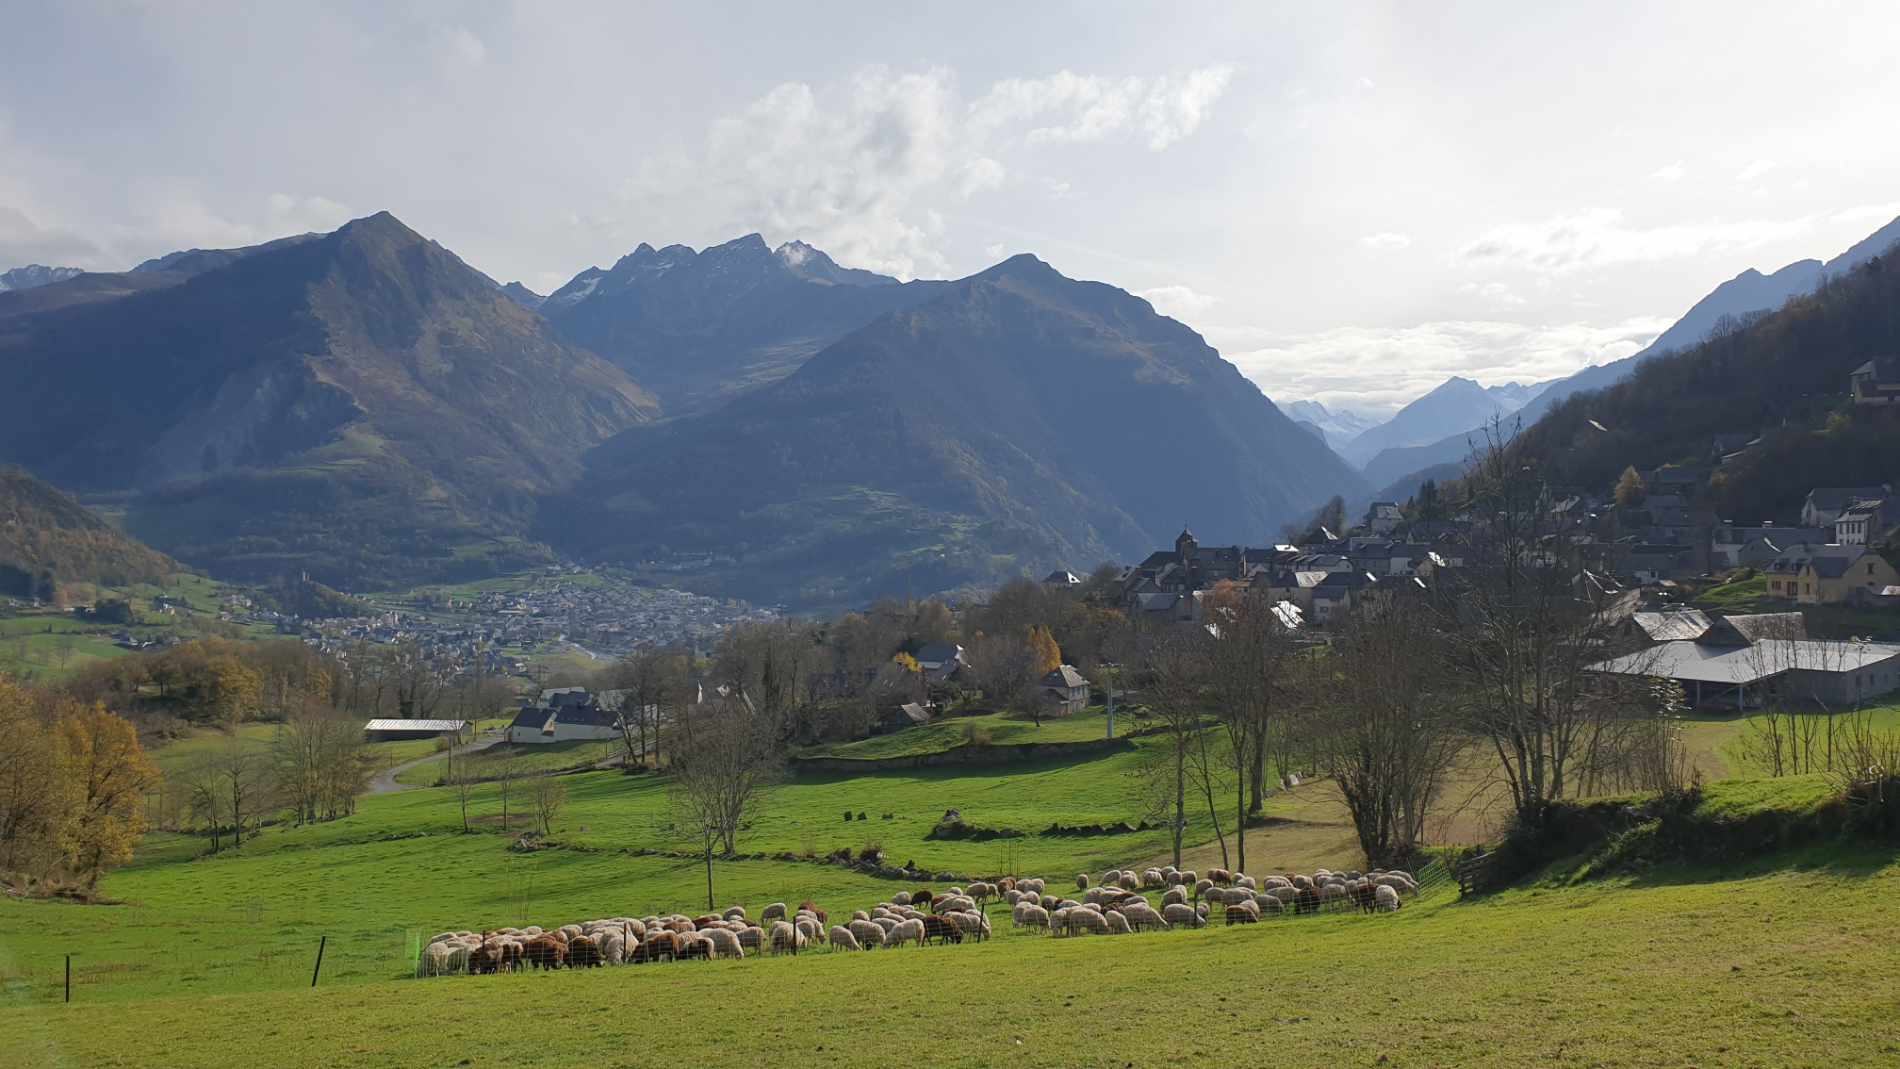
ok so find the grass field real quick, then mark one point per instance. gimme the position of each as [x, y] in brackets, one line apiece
[525, 759]
[992, 729]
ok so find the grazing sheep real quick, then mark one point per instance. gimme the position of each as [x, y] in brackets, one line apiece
[1051, 901]
[1152, 878]
[889, 924]
[1174, 896]
[1179, 914]
[613, 947]
[570, 931]
[1059, 921]
[1246, 882]
[435, 959]
[695, 945]
[982, 891]
[1305, 900]
[808, 906]
[1117, 924]
[866, 934]
[942, 929]
[1385, 899]
[1142, 915]
[1275, 881]
[723, 943]
[1267, 904]
[901, 898]
[1201, 887]
[773, 912]
[921, 896]
[735, 913]
[1028, 915]
[907, 932]
[545, 952]
[809, 931]
[1012, 896]
[1081, 881]
[784, 937]
[445, 937]
[949, 903]
[1243, 913]
[1331, 892]
[860, 915]
[1087, 921]
[583, 953]
[842, 939]
[974, 925]
[1221, 876]
[1035, 886]
[1304, 883]
[752, 937]
[1129, 882]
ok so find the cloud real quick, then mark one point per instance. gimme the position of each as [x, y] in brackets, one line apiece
[1386, 240]
[1600, 238]
[1180, 302]
[1491, 291]
[289, 213]
[1367, 83]
[994, 251]
[458, 46]
[1383, 368]
[857, 167]
[1670, 173]
[24, 241]
[1754, 169]
[1066, 106]
[1867, 213]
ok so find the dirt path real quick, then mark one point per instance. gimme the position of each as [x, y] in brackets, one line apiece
[385, 781]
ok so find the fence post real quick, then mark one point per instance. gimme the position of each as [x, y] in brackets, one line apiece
[321, 943]
[69, 978]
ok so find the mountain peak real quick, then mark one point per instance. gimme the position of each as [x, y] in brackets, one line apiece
[382, 226]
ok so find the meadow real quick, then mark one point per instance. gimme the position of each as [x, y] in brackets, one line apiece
[1779, 961]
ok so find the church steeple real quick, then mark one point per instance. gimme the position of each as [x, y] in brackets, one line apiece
[1185, 545]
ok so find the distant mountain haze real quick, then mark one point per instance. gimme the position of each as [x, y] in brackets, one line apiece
[32, 276]
[1749, 293]
[1336, 425]
[698, 328]
[358, 404]
[1456, 403]
[1016, 422]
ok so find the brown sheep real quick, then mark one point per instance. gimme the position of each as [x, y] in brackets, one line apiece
[920, 896]
[942, 929]
[695, 946]
[808, 906]
[485, 960]
[1220, 876]
[511, 956]
[545, 952]
[659, 945]
[583, 952]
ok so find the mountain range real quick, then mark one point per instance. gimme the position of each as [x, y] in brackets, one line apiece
[1335, 426]
[697, 328]
[33, 276]
[363, 407]
[1453, 405]
[1017, 421]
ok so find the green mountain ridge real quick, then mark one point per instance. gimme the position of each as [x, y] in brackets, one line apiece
[48, 538]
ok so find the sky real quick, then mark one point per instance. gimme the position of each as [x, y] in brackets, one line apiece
[1352, 202]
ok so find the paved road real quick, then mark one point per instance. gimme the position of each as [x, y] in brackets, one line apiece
[385, 781]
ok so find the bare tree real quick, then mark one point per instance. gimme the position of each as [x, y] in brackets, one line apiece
[1385, 727]
[1005, 667]
[654, 681]
[507, 771]
[1247, 668]
[243, 772]
[319, 761]
[723, 774]
[1530, 622]
[1169, 665]
[548, 794]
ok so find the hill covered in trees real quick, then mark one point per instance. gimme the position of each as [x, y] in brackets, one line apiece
[1782, 376]
[48, 539]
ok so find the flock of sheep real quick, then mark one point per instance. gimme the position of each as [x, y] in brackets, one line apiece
[1114, 904]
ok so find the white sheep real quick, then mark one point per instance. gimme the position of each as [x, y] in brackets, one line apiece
[724, 943]
[901, 898]
[1081, 881]
[1385, 899]
[1059, 921]
[866, 934]
[1029, 915]
[907, 931]
[973, 925]
[842, 939]
[1117, 924]
[773, 912]
[1179, 914]
[1129, 882]
[734, 913]
[784, 937]
[809, 930]
[1152, 878]
[1087, 921]
[752, 938]
[1246, 883]
[1174, 896]
[1268, 904]
[888, 923]
[1012, 896]
[435, 959]
[1142, 915]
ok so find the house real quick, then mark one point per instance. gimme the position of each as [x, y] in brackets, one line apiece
[398, 729]
[1726, 669]
[940, 660]
[1190, 567]
[1867, 522]
[566, 714]
[1733, 545]
[1062, 577]
[1824, 575]
[1383, 517]
[907, 715]
[1064, 691]
[1877, 382]
[1826, 503]
[1333, 596]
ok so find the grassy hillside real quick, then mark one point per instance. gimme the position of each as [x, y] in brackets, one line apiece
[47, 538]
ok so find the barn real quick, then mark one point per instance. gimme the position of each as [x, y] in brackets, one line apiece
[567, 714]
[397, 730]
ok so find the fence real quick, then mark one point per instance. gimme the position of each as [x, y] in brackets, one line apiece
[237, 963]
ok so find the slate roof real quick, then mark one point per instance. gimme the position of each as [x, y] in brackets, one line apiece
[399, 724]
[1697, 662]
[1836, 498]
[1065, 677]
[1672, 625]
[1828, 562]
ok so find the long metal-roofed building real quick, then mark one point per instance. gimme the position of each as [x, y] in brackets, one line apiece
[1741, 663]
[393, 730]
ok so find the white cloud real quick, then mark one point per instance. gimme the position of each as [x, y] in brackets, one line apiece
[994, 251]
[459, 46]
[1670, 173]
[1601, 238]
[1383, 368]
[1386, 240]
[1868, 213]
[1367, 83]
[1180, 302]
[1491, 291]
[1066, 106]
[857, 168]
[287, 213]
[1754, 169]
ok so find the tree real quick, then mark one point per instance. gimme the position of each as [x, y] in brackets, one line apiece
[36, 800]
[319, 762]
[1048, 654]
[1426, 504]
[1385, 729]
[241, 768]
[507, 771]
[100, 756]
[1005, 667]
[1169, 665]
[549, 794]
[723, 775]
[1629, 488]
[655, 681]
[1247, 661]
[1529, 621]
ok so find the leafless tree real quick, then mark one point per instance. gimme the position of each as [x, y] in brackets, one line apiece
[548, 794]
[1529, 621]
[1247, 669]
[655, 682]
[1385, 727]
[1169, 666]
[1798, 727]
[1005, 667]
[723, 774]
